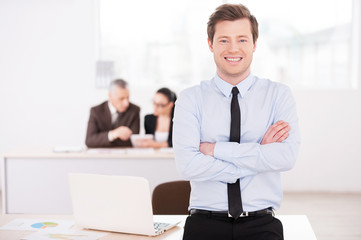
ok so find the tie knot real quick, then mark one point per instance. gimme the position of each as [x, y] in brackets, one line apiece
[235, 91]
[119, 114]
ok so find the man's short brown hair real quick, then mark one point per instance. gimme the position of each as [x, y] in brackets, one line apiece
[231, 12]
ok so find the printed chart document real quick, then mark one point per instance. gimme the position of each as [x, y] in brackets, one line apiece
[37, 224]
[65, 235]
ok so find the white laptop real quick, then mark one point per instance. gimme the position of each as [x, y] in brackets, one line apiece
[114, 203]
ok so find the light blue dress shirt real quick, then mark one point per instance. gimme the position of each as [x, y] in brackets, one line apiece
[202, 114]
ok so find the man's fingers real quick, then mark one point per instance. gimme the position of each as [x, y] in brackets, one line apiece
[278, 129]
[272, 130]
[281, 132]
[277, 124]
[276, 133]
[283, 137]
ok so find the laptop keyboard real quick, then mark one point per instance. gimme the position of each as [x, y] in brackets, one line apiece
[158, 226]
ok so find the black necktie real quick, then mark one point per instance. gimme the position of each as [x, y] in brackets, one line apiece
[117, 120]
[234, 193]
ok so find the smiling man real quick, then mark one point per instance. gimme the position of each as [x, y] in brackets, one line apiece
[233, 136]
[233, 44]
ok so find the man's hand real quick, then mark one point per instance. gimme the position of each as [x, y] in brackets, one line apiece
[122, 132]
[276, 133]
[207, 148]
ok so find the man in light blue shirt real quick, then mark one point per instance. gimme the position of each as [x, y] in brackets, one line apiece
[269, 137]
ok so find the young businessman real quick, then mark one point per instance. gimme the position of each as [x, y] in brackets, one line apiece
[233, 135]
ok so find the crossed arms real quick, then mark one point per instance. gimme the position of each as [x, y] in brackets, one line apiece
[228, 161]
[276, 133]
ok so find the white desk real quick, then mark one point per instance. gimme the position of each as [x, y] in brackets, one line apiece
[35, 181]
[296, 227]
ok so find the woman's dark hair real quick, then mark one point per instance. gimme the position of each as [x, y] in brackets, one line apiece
[172, 97]
[168, 93]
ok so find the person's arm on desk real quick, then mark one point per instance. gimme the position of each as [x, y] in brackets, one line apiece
[122, 132]
[97, 138]
[150, 143]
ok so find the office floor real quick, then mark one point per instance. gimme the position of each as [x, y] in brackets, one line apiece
[333, 216]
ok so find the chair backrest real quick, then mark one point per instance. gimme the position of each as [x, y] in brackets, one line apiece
[171, 198]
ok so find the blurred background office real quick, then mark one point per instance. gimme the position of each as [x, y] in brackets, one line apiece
[57, 58]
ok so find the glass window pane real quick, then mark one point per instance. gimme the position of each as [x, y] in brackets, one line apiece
[306, 44]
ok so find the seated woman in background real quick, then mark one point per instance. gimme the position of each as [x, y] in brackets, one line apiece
[160, 123]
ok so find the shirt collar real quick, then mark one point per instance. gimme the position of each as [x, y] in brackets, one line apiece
[226, 88]
[111, 108]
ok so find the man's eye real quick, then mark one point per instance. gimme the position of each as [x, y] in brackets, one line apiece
[243, 40]
[223, 41]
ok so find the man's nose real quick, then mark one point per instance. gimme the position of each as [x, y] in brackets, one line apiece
[234, 46]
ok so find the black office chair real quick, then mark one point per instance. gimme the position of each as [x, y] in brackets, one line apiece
[171, 198]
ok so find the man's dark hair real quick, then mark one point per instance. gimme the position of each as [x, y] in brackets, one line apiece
[231, 12]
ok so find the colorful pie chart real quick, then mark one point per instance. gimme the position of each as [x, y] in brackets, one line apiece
[43, 225]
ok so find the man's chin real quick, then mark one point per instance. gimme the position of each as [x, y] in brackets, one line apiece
[122, 110]
[237, 73]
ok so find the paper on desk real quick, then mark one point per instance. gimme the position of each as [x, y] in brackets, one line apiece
[65, 235]
[166, 150]
[37, 224]
[63, 149]
[105, 151]
[140, 151]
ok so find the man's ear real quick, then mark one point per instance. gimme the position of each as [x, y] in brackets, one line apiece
[255, 46]
[210, 45]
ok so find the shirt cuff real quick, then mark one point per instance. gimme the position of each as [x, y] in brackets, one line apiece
[110, 136]
[224, 150]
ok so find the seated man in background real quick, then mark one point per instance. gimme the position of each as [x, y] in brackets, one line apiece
[113, 122]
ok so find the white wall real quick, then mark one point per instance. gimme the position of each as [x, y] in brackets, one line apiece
[330, 154]
[47, 70]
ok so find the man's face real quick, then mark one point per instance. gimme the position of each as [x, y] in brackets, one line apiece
[233, 49]
[119, 98]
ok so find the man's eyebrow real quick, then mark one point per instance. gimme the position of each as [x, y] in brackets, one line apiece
[223, 37]
[243, 36]
[239, 36]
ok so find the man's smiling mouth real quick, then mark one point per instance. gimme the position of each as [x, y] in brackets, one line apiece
[233, 59]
